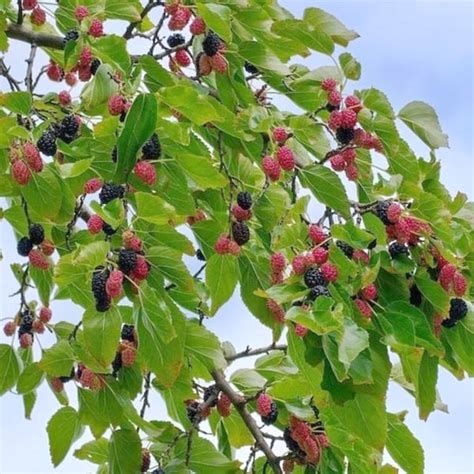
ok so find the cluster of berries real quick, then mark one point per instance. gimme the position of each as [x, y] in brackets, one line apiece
[37, 15]
[345, 160]
[127, 350]
[25, 160]
[305, 442]
[179, 15]
[144, 170]
[283, 159]
[212, 397]
[36, 247]
[212, 57]
[451, 279]
[457, 311]
[267, 409]
[362, 301]
[28, 323]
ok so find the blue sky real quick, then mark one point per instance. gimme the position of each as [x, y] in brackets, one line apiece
[412, 51]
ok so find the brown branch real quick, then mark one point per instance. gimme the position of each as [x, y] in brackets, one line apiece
[146, 394]
[254, 352]
[26, 35]
[239, 404]
[148, 7]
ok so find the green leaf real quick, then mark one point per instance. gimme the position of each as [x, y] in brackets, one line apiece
[43, 280]
[323, 21]
[326, 187]
[434, 293]
[376, 101]
[112, 49]
[95, 451]
[261, 57]
[30, 378]
[351, 234]
[125, 452]
[306, 34]
[17, 102]
[102, 334]
[201, 170]
[95, 94]
[169, 263]
[63, 429]
[350, 66]
[9, 368]
[421, 118]
[152, 208]
[138, 128]
[128, 11]
[222, 274]
[217, 18]
[58, 359]
[403, 447]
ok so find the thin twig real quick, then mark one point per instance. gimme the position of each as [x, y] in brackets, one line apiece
[248, 352]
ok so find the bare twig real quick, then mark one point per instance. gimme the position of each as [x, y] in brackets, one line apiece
[146, 394]
[19, 18]
[148, 7]
[248, 352]
[29, 70]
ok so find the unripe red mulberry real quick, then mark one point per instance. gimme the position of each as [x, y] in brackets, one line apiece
[113, 286]
[55, 72]
[32, 157]
[146, 172]
[337, 162]
[459, 284]
[317, 234]
[84, 73]
[364, 308]
[9, 328]
[26, 340]
[38, 16]
[234, 248]
[349, 155]
[38, 326]
[280, 135]
[219, 63]
[204, 65]
[135, 243]
[360, 256]
[369, 292]
[142, 269]
[45, 315]
[93, 185]
[278, 262]
[182, 58]
[329, 271]
[352, 172]
[285, 158]
[29, 4]
[241, 214]
[446, 276]
[354, 103]
[116, 104]
[335, 98]
[323, 440]
[222, 245]
[179, 19]
[335, 120]
[38, 260]
[64, 98]
[81, 12]
[277, 310]
[328, 84]
[71, 79]
[394, 212]
[57, 384]
[85, 57]
[264, 404]
[129, 356]
[20, 172]
[299, 264]
[47, 247]
[198, 26]
[320, 255]
[224, 405]
[348, 118]
[300, 331]
[271, 168]
[95, 224]
[96, 30]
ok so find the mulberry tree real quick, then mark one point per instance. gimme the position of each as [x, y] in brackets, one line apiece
[161, 151]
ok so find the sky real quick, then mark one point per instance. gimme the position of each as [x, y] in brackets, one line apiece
[412, 50]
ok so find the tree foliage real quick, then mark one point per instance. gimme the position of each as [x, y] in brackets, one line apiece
[342, 242]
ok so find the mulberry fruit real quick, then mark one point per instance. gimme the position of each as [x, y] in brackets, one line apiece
[24, 246]
[211, 391]
[278, 262]
[95, 224]
[145, 172]
[416, 298]
[127, 260]
[111, 191]
[364, 308]
[47, 144]
[241, 214]
[38, 16]
[250, 68]
[93, 185]
[198, 26]
[222, 245]
[319, 255]
[26, 340]
[381, 210]
[369, 292]
[328, 84]
[264, 404]
[240, 232]
[272, 415]
[95, 64]
[182, 58]
[96, 29]
[20, 172]
[396, 249]
[175, 40]
[459, 284]
[211, 44]
[179, 19]
[71, 35]
[244, 200]
[280, 135]
[128, 332]
[299, 264]
[344, 135]
[271, 168]
[81, 12]
[38, 260]
[151, 150]
[314, 277]
[317, 291]
[36, 233]
[346, 249]
[224, 405]
[458, 309]
[285, 158]
[45, 315]
[219, 63]
[317, 234]
[329, 271]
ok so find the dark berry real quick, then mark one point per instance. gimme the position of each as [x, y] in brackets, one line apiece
[345, 248]
[99, 279]
[128, 332]
[434, 273]
[317, 291]
[26, 321]
[102, 304]
[69, 128]
[192, 411]
[314, 277]
[396, 249]
[175, 40]
[47, 143]
[127, 260]
[416, 298]
[331, 107]
[151, 150]
[24, 246]
[95, 64]
[111, 191]
[200, 255]
[372, 244]
[244, 200]
[272, 416]
[116, 364]
[123, 116]
[458, 309]
[381, 211]
[211, 44]
[114, 154]
[291, 444]
[344, 135]
[108, 229]
[240, 232]
[449, 323]
[211, 391]
[71, 35]
[36, 234]
[250, 68]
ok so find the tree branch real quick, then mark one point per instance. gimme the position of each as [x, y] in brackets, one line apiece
[239, 404]
[148, 7]
[26, 35]
[253, 352]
